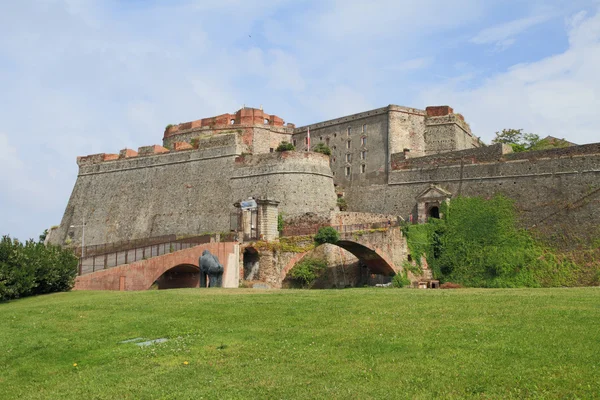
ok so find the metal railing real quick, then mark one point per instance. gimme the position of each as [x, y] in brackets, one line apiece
[114, 254]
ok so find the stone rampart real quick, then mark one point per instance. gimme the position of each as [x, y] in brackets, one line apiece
[300, 181]
[188, 192]
[556, 191]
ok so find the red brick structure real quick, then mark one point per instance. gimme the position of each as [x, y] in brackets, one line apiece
[141, 275]
[244, 116]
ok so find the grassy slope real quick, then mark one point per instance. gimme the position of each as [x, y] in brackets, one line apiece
[355, 343]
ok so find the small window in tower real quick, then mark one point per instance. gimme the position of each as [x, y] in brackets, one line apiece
[348, 144]
[349, 131]
[347, 171]
[363, 141]
[232, 121]
[333, 159]
[348, 157]
[294, 142]
[363, 155]
[327, 141]
[364, 128]
[321, 138]
[335, 135]
[271, 150]
[363, 168]
[266, 121]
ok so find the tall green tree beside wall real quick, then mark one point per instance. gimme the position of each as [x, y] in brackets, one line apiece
[32, 268]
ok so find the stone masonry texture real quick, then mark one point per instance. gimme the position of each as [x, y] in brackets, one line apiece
[381, 160]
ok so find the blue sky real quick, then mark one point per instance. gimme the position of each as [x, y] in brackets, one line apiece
[80, 77]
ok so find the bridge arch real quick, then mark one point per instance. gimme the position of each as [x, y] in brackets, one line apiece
[376, 260]
[179, 276]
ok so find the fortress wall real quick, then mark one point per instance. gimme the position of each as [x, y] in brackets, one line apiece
[188, 192]
[556, 190]
[448, 132]
[334, 133]
[407, 131]
[185, 192]
[300, 181]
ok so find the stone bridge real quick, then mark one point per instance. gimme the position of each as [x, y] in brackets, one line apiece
[172, 270]
[382, 251]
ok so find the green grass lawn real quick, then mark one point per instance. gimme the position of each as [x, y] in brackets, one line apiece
[353, 343]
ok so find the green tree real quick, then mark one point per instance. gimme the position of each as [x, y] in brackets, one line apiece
[517, 139]
[33, 268]
[43, 236]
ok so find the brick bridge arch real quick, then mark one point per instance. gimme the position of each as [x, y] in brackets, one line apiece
[140, 275]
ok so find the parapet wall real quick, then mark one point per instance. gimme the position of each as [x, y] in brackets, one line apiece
[556, 191]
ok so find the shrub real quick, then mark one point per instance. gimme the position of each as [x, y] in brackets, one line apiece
[327, 234]
[308, 270]
[285, 146]
[322, 148]
[478, 243]
[401, 280]
[280, 223]
[168, 127]
[341, 203]
[33, 268]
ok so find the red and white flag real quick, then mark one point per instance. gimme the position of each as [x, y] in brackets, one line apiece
[308, 140]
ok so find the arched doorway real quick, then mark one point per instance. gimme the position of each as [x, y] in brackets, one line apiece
[251, 261]
[434, 212]
[180, 276]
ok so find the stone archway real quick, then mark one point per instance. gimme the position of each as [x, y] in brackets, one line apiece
[251, 263]
[373, 259]
[180, 276]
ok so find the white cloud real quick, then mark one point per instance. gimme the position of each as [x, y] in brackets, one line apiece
[91, 76]
[558, 95]
[504, 35]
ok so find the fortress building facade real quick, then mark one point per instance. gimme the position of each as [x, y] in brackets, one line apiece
[392, 160]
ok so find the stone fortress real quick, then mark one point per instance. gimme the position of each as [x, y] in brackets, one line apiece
[391, 163]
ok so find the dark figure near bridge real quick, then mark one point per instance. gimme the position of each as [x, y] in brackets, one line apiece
[210, 267]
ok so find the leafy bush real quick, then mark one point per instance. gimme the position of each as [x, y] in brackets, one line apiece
[327, 234]
[308, 270]
[401, 280]
[280, 223]
[322, 148]
[478, 243]
[33, 268]
[341, 203]
[285, 146]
